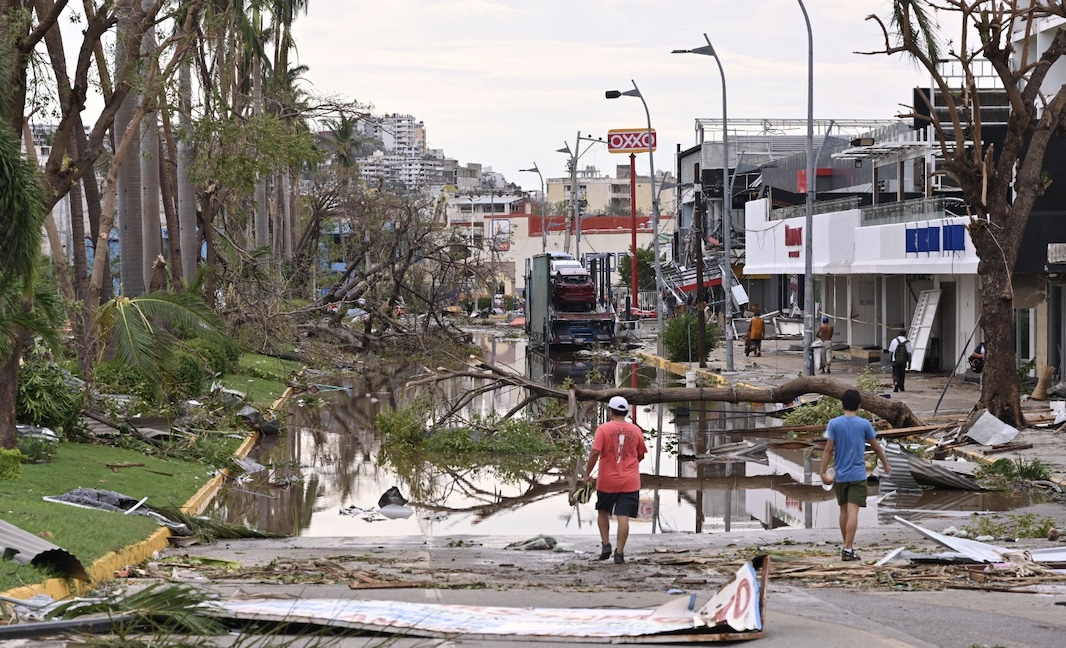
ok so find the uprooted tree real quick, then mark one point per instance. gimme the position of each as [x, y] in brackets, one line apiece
[492, 377]
[1000, 171]
[400, 257]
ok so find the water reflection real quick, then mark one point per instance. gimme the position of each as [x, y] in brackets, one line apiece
[330, 458]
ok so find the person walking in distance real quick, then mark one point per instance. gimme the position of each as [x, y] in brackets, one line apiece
[847, 436]
[618, 448]
[753, 340]
[825, 335]
[900, 353]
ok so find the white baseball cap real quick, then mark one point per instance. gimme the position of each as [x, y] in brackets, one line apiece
[618, 404]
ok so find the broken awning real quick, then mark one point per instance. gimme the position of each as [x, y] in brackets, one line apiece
[734, 613]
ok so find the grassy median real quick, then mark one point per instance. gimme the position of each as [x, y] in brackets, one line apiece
[90, 534]
[167, 476]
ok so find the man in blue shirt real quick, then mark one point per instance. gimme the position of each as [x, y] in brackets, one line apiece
[847, 437]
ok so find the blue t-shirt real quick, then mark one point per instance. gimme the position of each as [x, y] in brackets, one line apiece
[849, 435]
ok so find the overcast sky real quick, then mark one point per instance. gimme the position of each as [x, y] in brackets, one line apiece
[507, 82]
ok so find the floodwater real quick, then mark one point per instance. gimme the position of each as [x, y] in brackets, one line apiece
[327, 462]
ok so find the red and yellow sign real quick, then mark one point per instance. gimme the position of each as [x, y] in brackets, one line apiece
[630, 140]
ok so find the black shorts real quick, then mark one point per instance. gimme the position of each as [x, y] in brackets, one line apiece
[626, 504]
[851, 493]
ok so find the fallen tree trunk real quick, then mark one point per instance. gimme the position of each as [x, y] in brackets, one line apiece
[894, 412]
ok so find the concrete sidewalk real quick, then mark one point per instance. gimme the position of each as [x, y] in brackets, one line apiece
[929, 395]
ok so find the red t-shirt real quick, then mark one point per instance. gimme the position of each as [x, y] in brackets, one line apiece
[621, 447]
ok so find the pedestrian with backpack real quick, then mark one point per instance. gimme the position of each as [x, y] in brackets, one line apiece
[900, 352]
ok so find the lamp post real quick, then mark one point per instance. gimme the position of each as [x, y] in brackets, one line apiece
[635, 92]
[471, 224]
[808, 244]
[543, 222]
[727, 206]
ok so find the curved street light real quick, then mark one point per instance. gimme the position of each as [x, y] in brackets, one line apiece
[635, 92]
[543, 222]
[808, 245]
[727, 207]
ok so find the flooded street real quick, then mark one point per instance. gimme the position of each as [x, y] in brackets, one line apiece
[329, 461]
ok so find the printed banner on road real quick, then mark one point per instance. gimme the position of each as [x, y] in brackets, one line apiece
[734, 614]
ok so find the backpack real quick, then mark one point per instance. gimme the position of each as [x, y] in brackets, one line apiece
[900, 355]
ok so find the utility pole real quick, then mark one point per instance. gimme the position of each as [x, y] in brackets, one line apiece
[701, 316]
[633, 224]
[574, 196]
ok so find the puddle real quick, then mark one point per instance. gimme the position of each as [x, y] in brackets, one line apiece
[329, 460]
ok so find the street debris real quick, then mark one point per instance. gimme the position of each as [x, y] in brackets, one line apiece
[107, 500]
[26, 548]
[734, 613]
[392, 496]
[539, 543]
[911, 472]
[291, 572]
[987, 430]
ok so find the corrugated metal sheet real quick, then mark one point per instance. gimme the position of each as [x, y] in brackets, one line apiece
[910, 472]
[26, 548]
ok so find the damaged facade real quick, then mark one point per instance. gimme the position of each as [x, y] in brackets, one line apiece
[890, 243]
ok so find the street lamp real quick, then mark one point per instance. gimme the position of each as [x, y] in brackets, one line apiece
[727, 207]
[635, 92]
[543, 223]
[808, 244]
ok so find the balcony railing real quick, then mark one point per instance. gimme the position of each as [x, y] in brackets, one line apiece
[823, 207]
[909, 211]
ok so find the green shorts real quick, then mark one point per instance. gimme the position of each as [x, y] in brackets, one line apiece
[851, 492]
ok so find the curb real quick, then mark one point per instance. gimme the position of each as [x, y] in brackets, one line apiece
[104, 568]
[680, 368]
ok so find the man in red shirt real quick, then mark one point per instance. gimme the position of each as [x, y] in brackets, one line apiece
[619, 448]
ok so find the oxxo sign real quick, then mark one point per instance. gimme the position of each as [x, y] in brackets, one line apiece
[629, 140]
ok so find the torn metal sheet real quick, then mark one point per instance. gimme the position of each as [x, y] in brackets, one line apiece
[990, 431]
[106, 500]
[1053, 555]
[734, 613]
[248, 465]
[900, 479]
[972, 549]
[902, 554]
[911, 472]
[26, 548]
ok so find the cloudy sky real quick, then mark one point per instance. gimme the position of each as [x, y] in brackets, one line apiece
[507, 82]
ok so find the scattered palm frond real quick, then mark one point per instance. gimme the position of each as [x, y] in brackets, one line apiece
[212, 529]
[164, 608]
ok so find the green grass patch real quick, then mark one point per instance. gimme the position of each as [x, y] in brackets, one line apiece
[263, 379]
[1008, 471]
[1022, 525]
[86, 533]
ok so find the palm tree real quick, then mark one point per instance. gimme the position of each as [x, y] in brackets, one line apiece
[27, 307]
[262, 218]
[131, 237]
[185, 188]
[343, 141]
[137, 329]
[152, 243]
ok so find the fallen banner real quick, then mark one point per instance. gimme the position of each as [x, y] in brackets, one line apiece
[734, 613]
